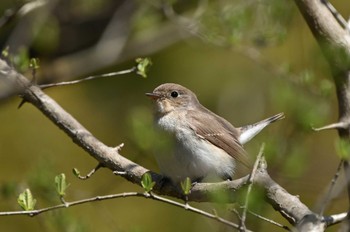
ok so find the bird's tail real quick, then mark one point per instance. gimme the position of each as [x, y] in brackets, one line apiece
[249, 131]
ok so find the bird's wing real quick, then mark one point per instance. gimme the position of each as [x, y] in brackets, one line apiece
[208, 127]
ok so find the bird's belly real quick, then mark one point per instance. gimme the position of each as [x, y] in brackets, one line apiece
[192, 156]
[201, 159]
[197, 159]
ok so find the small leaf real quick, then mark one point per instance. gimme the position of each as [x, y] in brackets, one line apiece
[143, 65]
[5, 53]
[76, 172]
[343, 148]
[26, 200]
[61, 184]
[186, 186]
[34, 63]
[147, 182]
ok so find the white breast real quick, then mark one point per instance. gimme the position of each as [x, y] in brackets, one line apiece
[191, 156]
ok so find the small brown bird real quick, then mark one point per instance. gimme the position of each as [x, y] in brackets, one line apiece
[205, 144]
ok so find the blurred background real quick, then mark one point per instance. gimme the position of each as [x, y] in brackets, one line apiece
[245, 60]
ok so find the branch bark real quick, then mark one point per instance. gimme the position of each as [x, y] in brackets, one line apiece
[334, 41]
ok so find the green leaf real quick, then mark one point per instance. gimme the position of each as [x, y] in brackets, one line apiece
[76, 172]
[186, 186]
[26, 200]
[61, 184]
[5, 53]
[147, 182]
[143, 65]
[342, 147]
[34, 63]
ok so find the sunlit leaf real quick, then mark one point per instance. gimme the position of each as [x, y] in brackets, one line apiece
[76, 172]
[26, 200]
[186, 186]
[147, 182]
[5, 52]
[143, 65]
[34, 63]
[61, 184]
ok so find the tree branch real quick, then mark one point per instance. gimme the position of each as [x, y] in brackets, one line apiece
[337, 125]
[146, 195]
[334, 41]
[250, 186]
[112, 74]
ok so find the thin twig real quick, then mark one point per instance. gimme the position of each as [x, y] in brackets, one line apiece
[335, 219]
[269, 220]
[250, 181]
[63, 201]
[124, 195]
[236, 212]
[119, 147]
[69, 204]
[99, 165]
[196, 210]
[337, 125]
[331, 187]
[45, 86]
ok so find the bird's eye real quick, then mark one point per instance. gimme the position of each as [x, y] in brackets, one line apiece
[174, 94]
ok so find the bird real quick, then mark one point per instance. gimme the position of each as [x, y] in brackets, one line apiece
[206, 147]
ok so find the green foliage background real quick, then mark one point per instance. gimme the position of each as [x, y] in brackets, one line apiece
[248, 60]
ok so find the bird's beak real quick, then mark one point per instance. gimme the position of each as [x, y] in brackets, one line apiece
[154, 96]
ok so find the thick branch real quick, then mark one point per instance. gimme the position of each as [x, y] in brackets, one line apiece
[334, 41]
[291, 208]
